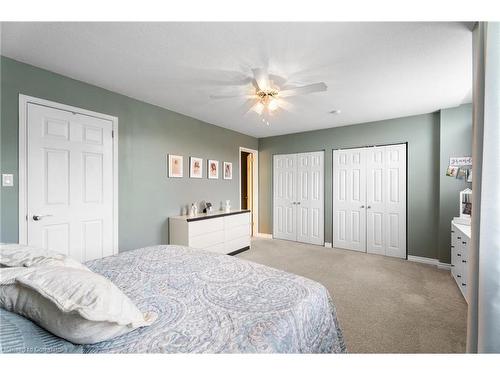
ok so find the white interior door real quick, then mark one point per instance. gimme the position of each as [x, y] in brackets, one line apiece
[69, 182]
[349, 199]
[310, 198]
[284, 194]
[386, 200]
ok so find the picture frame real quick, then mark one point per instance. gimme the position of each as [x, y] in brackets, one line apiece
[228, 171]
[195, 167]
[213, 169]
[175, 166]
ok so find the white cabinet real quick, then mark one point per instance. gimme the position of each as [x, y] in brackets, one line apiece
[224, 232]
[298, 197]
[460, 242]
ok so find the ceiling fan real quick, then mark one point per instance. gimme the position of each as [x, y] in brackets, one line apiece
[268, 92]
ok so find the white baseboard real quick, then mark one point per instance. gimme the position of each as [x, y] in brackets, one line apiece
[328, 244]
[424, 260]
[264, 235]
[444, 266]
[431, 261]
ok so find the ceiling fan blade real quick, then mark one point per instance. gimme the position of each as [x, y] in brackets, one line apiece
[261, 78]
[301, 90]
[247, 106]
[283, 104]
[232, 96]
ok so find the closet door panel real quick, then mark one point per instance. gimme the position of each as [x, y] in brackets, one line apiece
[284, 196]
[310, 197]
[396, 201]
[375, 200]
[349, 195]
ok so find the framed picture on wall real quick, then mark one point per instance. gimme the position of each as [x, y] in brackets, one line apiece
[213, 169]
[195, 167]
[228, 171]
[175, 167]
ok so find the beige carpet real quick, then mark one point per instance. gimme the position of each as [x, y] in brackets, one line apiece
[384, 305]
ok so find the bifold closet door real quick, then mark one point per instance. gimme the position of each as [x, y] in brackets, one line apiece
[298, 197]
[369, 200]
[386, 200]
[349, 197]
[309, 204]
[284, 193]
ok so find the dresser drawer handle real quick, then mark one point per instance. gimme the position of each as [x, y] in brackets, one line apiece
[464, 284]
[459, 255]
[465, 243]
[452, 246]
[459, 238]
[464, 261]
[452, 231]
[453, 265]
[459, 275]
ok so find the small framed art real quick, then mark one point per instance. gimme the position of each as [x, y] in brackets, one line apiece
[213, 169]
[195, 167]
[175, 167]
[228, 170]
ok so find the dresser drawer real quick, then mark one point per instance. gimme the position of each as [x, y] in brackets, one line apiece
[237, 244]
[199, 227]
[206, 240]
[237, 220]
[237, 232]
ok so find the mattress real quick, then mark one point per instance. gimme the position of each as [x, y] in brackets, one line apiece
[211, 303]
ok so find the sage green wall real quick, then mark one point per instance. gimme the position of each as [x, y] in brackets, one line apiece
[455, 140]
[146, 134]
[422, 134]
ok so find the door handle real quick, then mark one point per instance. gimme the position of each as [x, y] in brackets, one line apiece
[297, 202]
[363, 206]
[368, 206]
[39, 217]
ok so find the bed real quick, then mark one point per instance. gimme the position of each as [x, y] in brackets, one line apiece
[211, 303]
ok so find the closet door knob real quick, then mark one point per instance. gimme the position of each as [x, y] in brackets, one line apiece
[363, 206]
[368, 206]
[297, 202]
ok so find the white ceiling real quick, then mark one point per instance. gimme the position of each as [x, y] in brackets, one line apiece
[374, 71]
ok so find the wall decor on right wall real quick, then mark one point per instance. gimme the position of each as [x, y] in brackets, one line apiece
[213, 169]
[228, 170]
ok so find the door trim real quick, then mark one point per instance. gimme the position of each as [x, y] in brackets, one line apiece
[24, 100]
[255, 154]
[406, 176]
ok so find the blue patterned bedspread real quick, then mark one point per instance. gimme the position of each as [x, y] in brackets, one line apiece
[210, 303]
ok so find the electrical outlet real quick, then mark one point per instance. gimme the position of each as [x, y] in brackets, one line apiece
[7, 179]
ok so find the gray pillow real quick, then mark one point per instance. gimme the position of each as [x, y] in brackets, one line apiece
[21, 335]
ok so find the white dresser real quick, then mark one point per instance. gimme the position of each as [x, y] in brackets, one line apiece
[460, 240]
[220, 232]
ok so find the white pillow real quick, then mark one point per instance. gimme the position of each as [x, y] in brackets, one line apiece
[77, 305]
[16, 255]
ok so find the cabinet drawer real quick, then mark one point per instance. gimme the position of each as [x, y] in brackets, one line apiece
[237, 244]
[237, 232]
[237, 220]
[199, 227]
[206, 240]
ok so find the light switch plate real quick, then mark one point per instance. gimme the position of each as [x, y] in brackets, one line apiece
[7, 179]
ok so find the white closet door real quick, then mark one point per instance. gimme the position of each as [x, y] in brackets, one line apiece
[386, 200]
[70, 183]
[284, 194]
[310, 198]
[349, 196]
[395, 220]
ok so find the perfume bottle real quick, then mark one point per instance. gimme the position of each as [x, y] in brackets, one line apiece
[194, 210]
